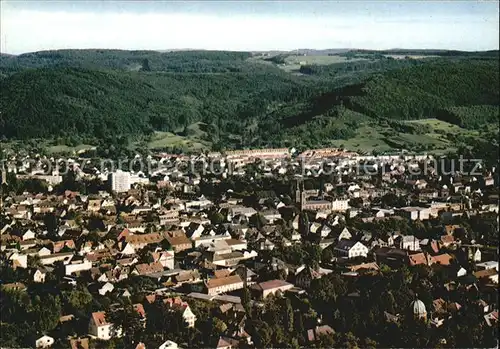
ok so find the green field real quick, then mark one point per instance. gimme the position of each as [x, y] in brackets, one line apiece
[61, 148]
[293, 62]
[370, 136]
[194, 139]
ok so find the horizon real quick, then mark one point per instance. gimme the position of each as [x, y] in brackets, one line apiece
[249, 26]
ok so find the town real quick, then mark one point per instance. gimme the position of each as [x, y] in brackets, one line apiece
[249, 249]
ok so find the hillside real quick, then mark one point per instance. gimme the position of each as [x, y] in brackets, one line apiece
[66, 101]
[177, 61]
[241, 101]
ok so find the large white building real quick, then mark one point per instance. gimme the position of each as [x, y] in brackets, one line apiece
[120, 181]
[340, 205]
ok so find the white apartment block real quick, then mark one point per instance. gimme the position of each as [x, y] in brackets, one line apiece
[120, 181]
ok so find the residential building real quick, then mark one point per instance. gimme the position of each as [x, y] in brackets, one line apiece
[177, 304]
[100, 328]
[120, 181]
[271, 287]
[230, 283]
[351, 249]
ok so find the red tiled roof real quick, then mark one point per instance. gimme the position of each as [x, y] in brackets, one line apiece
[145, 269]
[443, 259]
[269, 285]
[140, 310]
[228, 280]
[99, 318]
[417, 259]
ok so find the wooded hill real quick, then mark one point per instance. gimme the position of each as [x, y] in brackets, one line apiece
[242, 101]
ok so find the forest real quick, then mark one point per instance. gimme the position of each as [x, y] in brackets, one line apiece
[93, 94]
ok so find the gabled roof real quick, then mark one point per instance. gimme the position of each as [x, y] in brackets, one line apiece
[228, 280]
[417, 259]
[99, 318]
[443, 259]
[145, 269]
[140, 310]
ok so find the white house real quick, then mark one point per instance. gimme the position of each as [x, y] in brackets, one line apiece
[168, 345]
[44, 251]
[39, 276]
[107, 287]
[74, 267]
[476, 257]
[44, 342]
[102, 329]
[230, 283]
[408, 242]
[340, 205]
[487, 265]
[28, 235]
[351, 249]
[19, 260]
[345, 234]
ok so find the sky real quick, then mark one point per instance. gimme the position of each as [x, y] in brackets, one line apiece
[27, 26]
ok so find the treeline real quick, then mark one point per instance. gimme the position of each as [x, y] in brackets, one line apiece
[420, 91]
[261, 107]
[428, 52]
[474, 117]
[380, 64]
[179, 61]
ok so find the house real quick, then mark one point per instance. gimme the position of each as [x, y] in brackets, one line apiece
[393, 257]
[491, 318]
[372, 267]
[314, 334]
[101, 329]
[487, 265]
[487, 274]
[44, 342]
[305, 276]
[19, 260]
[407, 242]
[139, 308]
[351, 249]
[165, 258]
[39, 275]
[139, 241]
[179, 242]
[345, 234]
[28, 235]
[15, 286]
[168, 345]
[177, 304]
[418, 259]
[107, 287]
[443, 259]
[75, 266]
[147, 269]
[476, 256]
[414, 213]
[267, 288]
[230, 283]
[447, 240]
[227, 343]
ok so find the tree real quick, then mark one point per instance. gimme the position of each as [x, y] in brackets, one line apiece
[145, 65]
[217, 218]
[78, 299]
[289, 316]
[129, 322]
[258, 221]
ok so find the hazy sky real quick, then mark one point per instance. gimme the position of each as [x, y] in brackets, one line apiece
[248, 25]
